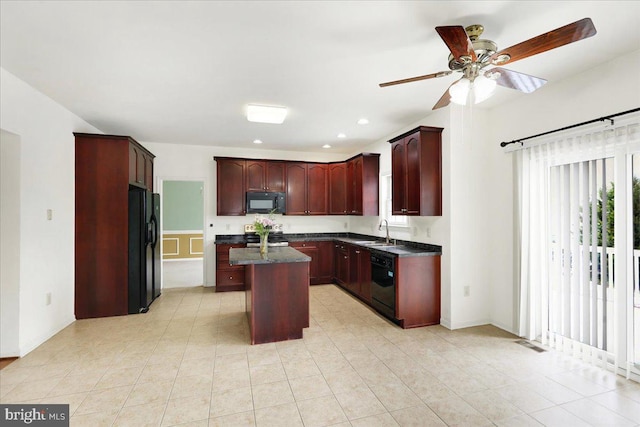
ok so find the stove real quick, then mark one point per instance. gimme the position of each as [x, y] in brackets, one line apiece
[276, 236]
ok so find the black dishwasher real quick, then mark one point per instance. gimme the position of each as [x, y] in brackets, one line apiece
[383, 284]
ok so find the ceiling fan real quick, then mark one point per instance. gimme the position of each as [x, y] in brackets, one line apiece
[470, 55]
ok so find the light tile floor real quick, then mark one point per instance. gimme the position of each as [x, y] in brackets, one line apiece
[188, 362]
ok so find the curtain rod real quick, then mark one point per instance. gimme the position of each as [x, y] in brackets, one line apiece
[601, 119]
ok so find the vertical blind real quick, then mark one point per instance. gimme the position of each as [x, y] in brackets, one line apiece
[575, 256]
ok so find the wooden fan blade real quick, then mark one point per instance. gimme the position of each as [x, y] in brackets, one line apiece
[574, 32]
[415, 79]
[445, 98]
[514, 80]
[456, 39]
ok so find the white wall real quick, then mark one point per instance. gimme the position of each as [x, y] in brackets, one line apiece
[47, 170]
[9, 244]
[608, 89]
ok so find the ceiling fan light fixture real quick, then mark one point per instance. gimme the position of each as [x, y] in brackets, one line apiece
[459, 92]
[483, 88]
[266, 114]
[466, 92]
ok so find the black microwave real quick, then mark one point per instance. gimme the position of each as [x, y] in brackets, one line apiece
[262, 202]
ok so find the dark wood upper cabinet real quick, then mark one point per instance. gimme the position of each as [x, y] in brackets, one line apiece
[148, 172]
[231, 186]
[265, 175]
[354, 186]
[416, 170]
[307, 188]
[363, 189]
[342, 188]
[140, 166]
[296, 189]
[317, 189]
[338, 189]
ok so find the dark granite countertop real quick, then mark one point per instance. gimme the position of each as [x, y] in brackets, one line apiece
[275, 255]
[401, 248]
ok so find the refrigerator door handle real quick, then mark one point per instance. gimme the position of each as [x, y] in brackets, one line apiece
[149, 234]
[156, 233]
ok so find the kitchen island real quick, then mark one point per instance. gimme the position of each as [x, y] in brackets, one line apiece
[276, 292]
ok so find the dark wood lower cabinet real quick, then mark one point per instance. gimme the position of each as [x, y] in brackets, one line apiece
[309, 249]
[277, 301]
[353, 269]
[322, 262]
[342, 276]
[363, 268]
[228, 277]
[418, 291]
[417, 277]
[326, 261]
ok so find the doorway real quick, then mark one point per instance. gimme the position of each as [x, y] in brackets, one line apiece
[10, 244]
[182, 233]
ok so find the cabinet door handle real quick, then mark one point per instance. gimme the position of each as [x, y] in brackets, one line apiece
[357, 252]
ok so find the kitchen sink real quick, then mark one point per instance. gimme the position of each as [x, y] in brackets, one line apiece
[380, 244]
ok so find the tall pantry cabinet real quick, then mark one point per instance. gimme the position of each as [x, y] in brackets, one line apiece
[105, 165]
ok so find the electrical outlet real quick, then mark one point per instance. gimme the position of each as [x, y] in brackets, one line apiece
[48, 298]
[228, 226]
[467, 291]
[428, 231]
[345, 225]
[49, 214]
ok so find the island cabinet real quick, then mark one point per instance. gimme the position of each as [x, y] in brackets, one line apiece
[228, 277]
[265, 175]
[307, 188]
[322, 262]
[416, 172]
[231, 186]
[418, 290]
[276, 293]
[106, 167]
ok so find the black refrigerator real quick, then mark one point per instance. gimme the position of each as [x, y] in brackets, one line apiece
[144, 249]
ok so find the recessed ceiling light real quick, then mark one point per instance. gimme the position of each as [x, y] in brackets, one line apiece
[257, 141]
[342, 135]
[363, 121]
[266, 114]
[326, 146]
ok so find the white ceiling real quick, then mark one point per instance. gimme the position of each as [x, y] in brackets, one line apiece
[183, 71]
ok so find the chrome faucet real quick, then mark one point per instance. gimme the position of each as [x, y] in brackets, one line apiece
[387, 226]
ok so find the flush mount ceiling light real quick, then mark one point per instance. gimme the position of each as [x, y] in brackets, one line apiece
[257, 141]
[266, 114]
[342, 135]
[363, 121]
[326, 146]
